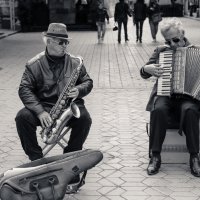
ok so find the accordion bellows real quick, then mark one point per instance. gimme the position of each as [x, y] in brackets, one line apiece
[181, 72]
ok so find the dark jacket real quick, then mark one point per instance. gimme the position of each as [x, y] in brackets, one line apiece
[101, 15]
[152, 9]
[121, 12]
[140, 12]
[38, 89]
[154, 59]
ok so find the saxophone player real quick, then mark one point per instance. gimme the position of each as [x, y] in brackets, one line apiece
[184, 107]
[42, 82]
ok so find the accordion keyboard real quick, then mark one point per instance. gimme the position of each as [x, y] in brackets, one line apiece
[164, 81]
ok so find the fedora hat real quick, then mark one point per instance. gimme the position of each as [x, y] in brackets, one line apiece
[57, 30]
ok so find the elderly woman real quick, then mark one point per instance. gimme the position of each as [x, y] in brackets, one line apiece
[161, 107]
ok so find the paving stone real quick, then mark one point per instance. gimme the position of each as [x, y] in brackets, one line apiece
[117, 106]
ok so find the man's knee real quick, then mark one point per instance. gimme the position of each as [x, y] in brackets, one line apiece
[159, 110]
[190, 109]
[21, 115]
[85, 119]
[26, 116]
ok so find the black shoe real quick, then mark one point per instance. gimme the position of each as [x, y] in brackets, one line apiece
[126, 40]
[140, 40]
[195, 166]
[137, 39]
[119, 41]
[154, 165]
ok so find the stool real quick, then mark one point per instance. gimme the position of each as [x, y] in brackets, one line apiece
[47, 147]
[174, 148]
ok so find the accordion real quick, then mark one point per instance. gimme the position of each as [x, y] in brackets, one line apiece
[181, 72]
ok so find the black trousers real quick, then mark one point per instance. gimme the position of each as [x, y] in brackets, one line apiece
[188, 113]
[27, 122]
[139, 29]
[124, 22]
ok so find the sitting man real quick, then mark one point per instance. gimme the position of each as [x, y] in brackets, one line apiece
[161, 106]
[43, 81]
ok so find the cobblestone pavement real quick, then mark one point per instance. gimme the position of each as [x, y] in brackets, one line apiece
[117, 106]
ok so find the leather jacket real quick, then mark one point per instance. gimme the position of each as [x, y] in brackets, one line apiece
[39, 90]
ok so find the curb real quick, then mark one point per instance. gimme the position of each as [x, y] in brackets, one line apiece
[195, 18]
[8, 34]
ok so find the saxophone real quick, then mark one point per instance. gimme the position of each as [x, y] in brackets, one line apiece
[59, 113]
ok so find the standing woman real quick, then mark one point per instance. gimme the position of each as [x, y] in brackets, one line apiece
[140, 10]
[101, 15]
[153, 9]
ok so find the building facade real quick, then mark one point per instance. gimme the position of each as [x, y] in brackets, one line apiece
[37, 14]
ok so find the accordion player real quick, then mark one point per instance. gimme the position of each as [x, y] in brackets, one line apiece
[181, 72]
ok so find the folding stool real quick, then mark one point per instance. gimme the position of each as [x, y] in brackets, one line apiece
[174, 148]
[60, 141]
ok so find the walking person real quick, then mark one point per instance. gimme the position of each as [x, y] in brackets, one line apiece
[139, 15]
[101, 16]
[121, 14]
[153, 8]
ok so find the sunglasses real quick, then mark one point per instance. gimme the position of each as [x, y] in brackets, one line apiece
[61, 42]
[175, 40]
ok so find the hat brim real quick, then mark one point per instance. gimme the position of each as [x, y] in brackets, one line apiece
[63, 37]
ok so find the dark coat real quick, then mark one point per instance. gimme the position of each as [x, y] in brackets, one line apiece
[39, 91]
[101, 15]
[121, 12]
[152, 9]
[154, 59]
[140, 12]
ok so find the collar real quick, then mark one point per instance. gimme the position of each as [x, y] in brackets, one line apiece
[54, 59]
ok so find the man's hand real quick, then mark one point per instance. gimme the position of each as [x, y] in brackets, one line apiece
[73, 93]
[45, 119]
[154, 69]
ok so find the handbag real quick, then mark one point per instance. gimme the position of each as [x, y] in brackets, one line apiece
[115, 28]
[156, 18]
[46, 178]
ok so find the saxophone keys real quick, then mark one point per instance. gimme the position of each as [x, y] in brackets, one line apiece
[58, 123]
[60, 106]
[64, 97]
[54, 116]
[57, 113]
[54, 130]
[62, 102]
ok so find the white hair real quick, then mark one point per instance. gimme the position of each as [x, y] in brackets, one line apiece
[172, 23]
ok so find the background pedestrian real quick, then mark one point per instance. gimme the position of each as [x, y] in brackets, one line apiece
[121, 14]
[101, 15]
[153, 9]
[139, 15]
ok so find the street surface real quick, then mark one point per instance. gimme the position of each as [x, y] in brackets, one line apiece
[117, 107]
